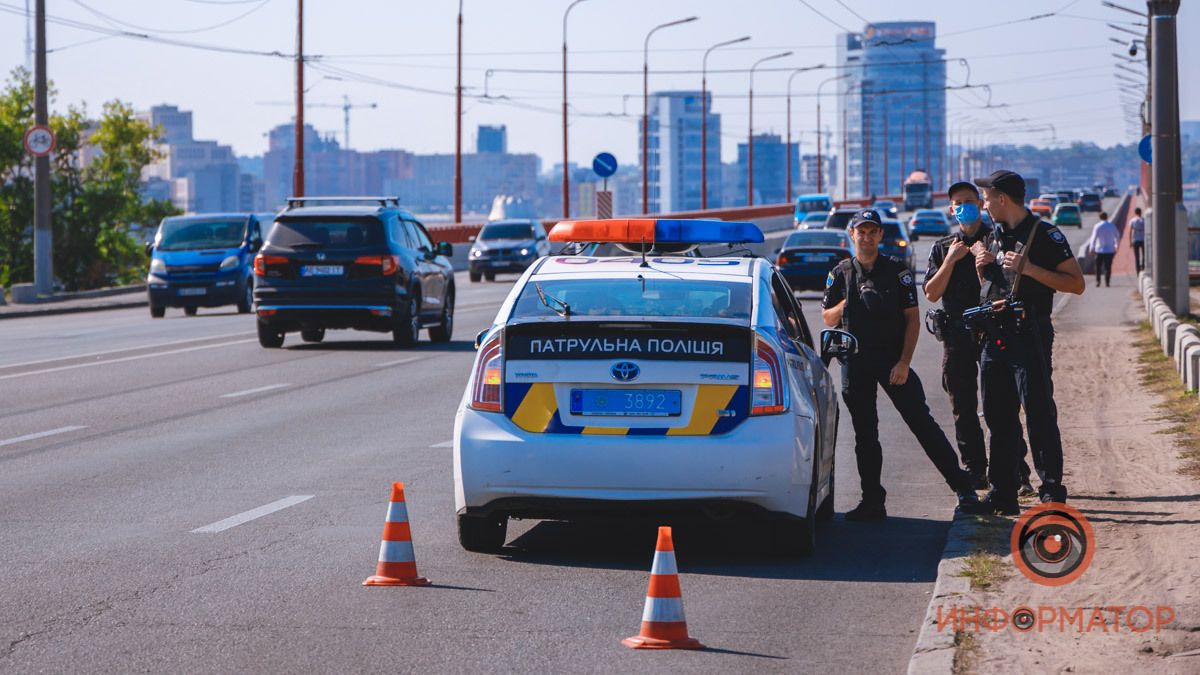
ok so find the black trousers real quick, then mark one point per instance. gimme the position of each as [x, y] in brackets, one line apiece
[960, 380]
[1104, 266]
[1139, 255]
[1021, 376]
[861, 379]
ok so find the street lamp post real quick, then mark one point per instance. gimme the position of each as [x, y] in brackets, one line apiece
[704, 118]
[566, 179]
[298, 151]
[750, 128]
[821, 168]
[646, 107]
[458, 125]
[788, 147]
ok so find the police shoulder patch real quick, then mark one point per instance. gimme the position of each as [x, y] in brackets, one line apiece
[1057, 235]
[829, 279]
[906, 278]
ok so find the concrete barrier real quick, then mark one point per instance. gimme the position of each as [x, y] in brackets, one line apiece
[1191, 367]
[1167, 340]
[1182, 333]
[1159, 313]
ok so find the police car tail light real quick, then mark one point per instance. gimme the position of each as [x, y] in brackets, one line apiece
[489, 376]
[769, 395]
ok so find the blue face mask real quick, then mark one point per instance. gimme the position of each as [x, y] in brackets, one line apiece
[966, 214]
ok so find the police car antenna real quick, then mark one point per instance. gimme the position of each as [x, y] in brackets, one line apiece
[644, 263]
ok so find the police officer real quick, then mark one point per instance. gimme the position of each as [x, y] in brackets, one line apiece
[1032, 260]
[874, 298]
[951, 278]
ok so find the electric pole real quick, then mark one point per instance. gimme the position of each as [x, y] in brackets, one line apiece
[43, 233]
[1169, 244]
[298, 170]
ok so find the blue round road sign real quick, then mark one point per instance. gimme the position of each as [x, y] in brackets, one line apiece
[1144, 149]
[604, 164]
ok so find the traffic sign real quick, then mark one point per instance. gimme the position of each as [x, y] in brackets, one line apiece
[39, 140]
[604, 165]
[1144, 149]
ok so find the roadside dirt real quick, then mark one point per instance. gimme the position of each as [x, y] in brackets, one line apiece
[1123, 469]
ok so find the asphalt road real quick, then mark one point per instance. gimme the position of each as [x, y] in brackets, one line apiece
[120, 435]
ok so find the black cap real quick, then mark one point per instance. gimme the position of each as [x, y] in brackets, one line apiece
[1008, 182]
[962, 185]
[866, 216]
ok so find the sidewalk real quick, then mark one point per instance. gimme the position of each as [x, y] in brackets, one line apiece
[90, 301]
[1126, 475]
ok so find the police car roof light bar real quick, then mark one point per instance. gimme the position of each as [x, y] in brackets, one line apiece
[657, 231]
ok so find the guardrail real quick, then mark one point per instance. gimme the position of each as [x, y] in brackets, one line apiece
[460, 233]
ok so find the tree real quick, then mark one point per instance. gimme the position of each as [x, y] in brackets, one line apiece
[93, 204]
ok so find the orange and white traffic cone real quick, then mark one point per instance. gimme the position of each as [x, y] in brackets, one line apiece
[663, 625]
[397, 564]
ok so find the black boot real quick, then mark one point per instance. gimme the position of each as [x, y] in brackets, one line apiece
[867, 512]
[997, 504]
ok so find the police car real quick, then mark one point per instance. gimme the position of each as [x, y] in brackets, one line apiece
[647, 384]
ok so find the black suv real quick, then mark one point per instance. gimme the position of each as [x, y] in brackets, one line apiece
[352, 262]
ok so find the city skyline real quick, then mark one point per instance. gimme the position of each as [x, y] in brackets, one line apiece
[1065, 73]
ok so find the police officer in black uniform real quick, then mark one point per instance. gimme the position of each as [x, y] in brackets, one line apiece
[1033, 257]
[951, 278]
[874, 297]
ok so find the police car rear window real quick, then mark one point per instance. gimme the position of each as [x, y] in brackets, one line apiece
[631, 297]
[326, 234]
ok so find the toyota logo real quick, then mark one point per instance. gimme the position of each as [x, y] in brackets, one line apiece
[625, 371]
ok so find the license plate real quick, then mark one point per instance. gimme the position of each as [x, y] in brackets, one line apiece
[626, 402]
[816, 257]
[321, 270]
[193, 291]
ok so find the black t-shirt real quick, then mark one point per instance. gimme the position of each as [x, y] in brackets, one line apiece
[875, 303]
[962, 290]
[1049, 249]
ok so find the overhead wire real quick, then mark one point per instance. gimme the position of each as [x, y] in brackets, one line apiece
[118, 23]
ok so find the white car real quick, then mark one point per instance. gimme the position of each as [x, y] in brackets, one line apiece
[647, 385]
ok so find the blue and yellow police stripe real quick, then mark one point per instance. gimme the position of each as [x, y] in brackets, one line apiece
[534, 408]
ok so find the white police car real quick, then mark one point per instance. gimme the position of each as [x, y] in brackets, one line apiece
[647, 384]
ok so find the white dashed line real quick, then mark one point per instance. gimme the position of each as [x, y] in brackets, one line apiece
[40, 434]
[397, 362]
[123, 359]
[256, 390]
[443, 444]
[247, 516]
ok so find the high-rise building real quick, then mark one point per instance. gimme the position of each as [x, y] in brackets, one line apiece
[197, 176]
[491, 138]
[892, 106]
[673, 151]
[771, 156]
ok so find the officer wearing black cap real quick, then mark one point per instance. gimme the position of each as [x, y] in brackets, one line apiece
[874, 298]
[1032, 260]
[951, 279]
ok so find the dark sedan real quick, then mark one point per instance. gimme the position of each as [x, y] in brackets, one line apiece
[808, 255]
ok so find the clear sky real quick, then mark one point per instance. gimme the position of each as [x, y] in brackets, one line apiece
[1057, 69]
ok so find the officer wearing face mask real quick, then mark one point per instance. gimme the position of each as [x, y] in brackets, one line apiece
[874, 297]
[952, 279]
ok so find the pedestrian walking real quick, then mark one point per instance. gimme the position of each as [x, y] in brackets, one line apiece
[1104, 243]
[874, 297]
[951, 279]
[1137, 236]
[1029, 260]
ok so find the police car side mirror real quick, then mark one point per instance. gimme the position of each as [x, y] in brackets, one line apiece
[837, 344]
[480, 336]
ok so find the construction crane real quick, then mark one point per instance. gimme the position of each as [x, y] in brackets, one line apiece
[345, 105]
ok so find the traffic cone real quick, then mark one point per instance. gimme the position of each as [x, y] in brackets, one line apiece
[397, 564]
[663, 625]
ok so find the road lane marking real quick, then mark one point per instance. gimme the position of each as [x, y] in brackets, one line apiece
[252, 514]
[85, 355]
[40, 434]
[123, 359]
[443, 444]
[397, 362]
[256, 390]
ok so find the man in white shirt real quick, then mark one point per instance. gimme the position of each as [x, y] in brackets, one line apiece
[1137, 236]
[1104, 245]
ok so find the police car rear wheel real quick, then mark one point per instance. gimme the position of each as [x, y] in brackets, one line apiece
[825, 510]
[482, 534]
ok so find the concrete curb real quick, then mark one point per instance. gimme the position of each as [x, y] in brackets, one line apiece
[1167, 339]
[51, 309]
[1191, 366]
[934, 651]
